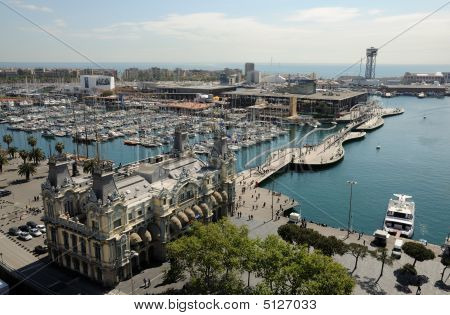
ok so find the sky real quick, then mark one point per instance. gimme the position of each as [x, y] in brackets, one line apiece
[207, 31]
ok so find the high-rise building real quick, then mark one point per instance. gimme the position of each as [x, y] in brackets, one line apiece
[249, 67]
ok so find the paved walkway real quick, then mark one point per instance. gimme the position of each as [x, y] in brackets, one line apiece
[368, 268]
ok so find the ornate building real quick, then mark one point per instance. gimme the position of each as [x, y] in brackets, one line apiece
[116, 221]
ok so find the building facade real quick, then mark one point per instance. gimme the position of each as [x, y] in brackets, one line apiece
[431, 78]
[115, 222]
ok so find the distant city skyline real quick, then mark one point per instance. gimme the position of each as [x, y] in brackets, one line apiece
[201, 32]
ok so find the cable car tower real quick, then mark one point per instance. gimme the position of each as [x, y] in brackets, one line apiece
[371, 61]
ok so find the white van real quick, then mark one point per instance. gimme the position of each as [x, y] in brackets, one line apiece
[397, 250]
[294, 217]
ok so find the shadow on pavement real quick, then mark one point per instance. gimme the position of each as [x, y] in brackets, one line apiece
[369, 285]
[442, 286]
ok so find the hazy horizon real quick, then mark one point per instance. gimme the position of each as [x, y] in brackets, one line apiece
[200, 31]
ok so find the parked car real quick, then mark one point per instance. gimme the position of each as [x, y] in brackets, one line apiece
[14, 231]
[25, 236]
[397, 250]
[31, 224]
[41, 249]
[24, 228]
[4, 192]
[41, 228]
[35, 232]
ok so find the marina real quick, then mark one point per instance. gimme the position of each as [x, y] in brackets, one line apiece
[252, 150]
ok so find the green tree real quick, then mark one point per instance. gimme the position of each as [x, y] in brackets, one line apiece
[445, 260]
[417, 251]
[217, 254]
[32, 141]
[381, 254]
[3, 160]
[23, 154]
[59, 147]
[203, 254]
[36, 155]
[12, 152]
[330, 246]
[288, 232]
[26, 169]
[249, 257]
[358, 251]
[274, 254]
[88, 165]
[314, 273]
[8, 139]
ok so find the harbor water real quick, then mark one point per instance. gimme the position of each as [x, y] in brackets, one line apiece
[413, 159]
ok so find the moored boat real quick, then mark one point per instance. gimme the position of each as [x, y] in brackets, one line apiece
[400, 216]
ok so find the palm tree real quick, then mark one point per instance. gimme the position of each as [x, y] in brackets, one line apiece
[23, 155]
[32, 141]
[12, 151]
[59, 146]
[3, 160]
[88, 165]
[7, 139]
[26, 169]
[36, 155]
[381, 254]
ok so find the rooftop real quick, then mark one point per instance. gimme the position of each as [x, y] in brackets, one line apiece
[338, 96]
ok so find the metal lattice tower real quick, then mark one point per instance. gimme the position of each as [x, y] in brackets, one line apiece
[371, 62]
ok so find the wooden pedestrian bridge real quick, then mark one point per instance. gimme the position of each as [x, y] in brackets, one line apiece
[321, 155]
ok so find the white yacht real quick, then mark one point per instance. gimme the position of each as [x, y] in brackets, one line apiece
[400, 216]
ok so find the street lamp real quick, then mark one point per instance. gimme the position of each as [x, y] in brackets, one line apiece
[351, 182]
[130, 255]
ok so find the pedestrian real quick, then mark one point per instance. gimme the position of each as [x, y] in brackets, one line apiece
[148, 283]
[419, 290]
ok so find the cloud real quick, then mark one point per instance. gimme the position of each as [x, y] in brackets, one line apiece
[324, 15]
[211, 27]
[60, 23]
[217, 37]
[401, 18]
[32, 7]
[374, 12]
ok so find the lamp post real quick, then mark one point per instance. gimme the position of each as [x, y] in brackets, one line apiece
[130, 255]
[351, 182]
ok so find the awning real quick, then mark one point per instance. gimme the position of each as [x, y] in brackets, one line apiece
[175, 223]
[190, 213]
[197, 210]
[154, 230]
[224, 195]
[145, 235]
[213, 201]
[205, 209]
[183, 218]
[135, 239]
[218, 197]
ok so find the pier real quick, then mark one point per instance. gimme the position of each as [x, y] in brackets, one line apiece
[329, 151]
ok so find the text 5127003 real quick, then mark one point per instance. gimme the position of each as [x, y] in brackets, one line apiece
[289, 304]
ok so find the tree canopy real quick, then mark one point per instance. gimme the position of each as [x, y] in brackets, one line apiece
[328, 245]
[216, 256]
[26, 169]
[417, 251]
